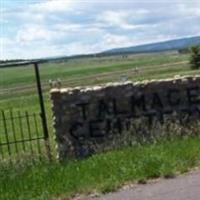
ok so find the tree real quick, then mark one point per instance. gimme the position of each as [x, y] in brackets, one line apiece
[184, 51]
[195, 57]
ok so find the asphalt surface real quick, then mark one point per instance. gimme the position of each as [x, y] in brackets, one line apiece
[184, 187]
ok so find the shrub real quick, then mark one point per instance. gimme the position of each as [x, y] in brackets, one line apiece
[195, 57]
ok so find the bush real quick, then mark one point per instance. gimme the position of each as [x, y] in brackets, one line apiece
[195, 57]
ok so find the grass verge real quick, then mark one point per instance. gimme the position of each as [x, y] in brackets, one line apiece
[99, 173]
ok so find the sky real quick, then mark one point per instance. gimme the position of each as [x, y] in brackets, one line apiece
[48, 28]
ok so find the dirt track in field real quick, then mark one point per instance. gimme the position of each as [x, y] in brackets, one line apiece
[96, 77]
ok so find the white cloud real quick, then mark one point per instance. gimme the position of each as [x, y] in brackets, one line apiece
[121, 18]
[39, 11]
[68, 27]
[191, 10]
[31, 33]
[53, 6]
[30, 17]
[111, 40]
[74, 28]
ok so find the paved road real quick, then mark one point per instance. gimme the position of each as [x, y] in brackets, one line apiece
[185, 187]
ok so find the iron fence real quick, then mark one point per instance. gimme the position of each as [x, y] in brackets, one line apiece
[21, 133]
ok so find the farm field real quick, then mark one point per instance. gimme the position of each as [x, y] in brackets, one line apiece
[18, 87]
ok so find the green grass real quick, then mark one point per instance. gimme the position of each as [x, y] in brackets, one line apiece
[86, 71]
[101, 173]
[83, 67]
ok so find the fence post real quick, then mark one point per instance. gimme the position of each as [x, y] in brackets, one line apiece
[43, 113]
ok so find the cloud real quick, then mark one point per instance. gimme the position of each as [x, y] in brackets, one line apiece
[111, 40]
[33, 33]
[123, 19]
[65, 27]
[52, 6]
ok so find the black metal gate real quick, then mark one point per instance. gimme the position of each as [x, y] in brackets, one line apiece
[24, 133]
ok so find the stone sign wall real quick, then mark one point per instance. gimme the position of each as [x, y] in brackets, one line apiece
[85, 119]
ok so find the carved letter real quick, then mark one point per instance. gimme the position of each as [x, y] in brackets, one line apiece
[193, 94]
[95, 128]
[103, 109]
[74, 130]
[156, 101]
[138, 102]
[83, 109]
[173, 97]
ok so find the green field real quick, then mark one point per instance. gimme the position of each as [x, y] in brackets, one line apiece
[39, 180]
[18, 87]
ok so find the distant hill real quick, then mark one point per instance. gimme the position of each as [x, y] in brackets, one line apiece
[177, 44]
[159, 46]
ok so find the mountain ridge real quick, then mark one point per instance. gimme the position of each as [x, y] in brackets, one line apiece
[162, 46]
[174, 44]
